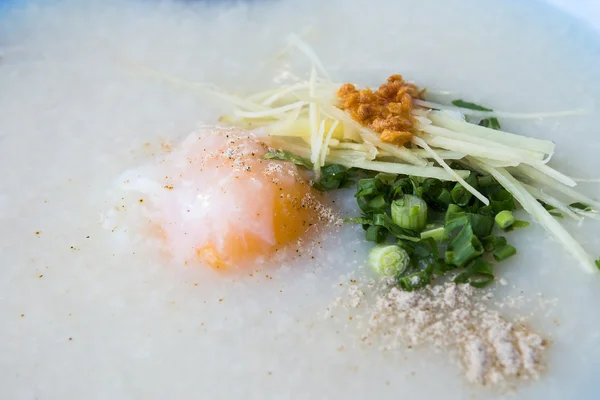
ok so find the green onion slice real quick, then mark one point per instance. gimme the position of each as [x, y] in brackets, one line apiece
[504, 219]
[504, 252]
[388, 260]
[410, 212]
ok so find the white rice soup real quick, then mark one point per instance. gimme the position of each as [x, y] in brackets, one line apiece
[87, 314]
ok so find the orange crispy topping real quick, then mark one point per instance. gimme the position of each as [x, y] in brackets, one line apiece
[386, 111]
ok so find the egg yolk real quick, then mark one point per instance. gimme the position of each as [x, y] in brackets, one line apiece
[214, 200]
[224, 205]
[290, 220]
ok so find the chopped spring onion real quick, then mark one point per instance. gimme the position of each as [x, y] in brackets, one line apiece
[481, 225]
[504, 219]
[486, 181]
[415, 280]
[466, 232]
[501, 200]
[388, 260]
[376, 234]
[437, 194]
[436, 232]
[463, 248]
[453, 212]
[334, 176]
[492, 243]
[478, 274]
[520, 224]
[504, 252]
[461, 196]
[410, 212]
[386, 221]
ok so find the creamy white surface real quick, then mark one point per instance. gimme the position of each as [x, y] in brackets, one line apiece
[74, 114]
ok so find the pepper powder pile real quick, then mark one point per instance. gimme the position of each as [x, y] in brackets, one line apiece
[386, 111]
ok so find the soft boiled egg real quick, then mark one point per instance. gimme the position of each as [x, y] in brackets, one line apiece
[215, 200]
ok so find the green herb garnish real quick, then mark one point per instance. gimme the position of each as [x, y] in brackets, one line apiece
[470, 106]
[333, 177]
[385, 221]
[478, 274]
[284, 155]
[492, 243]
[580, 206]
[379, 225]
[551, 209]
[492, 122]
[397, 206]
[423, 264]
